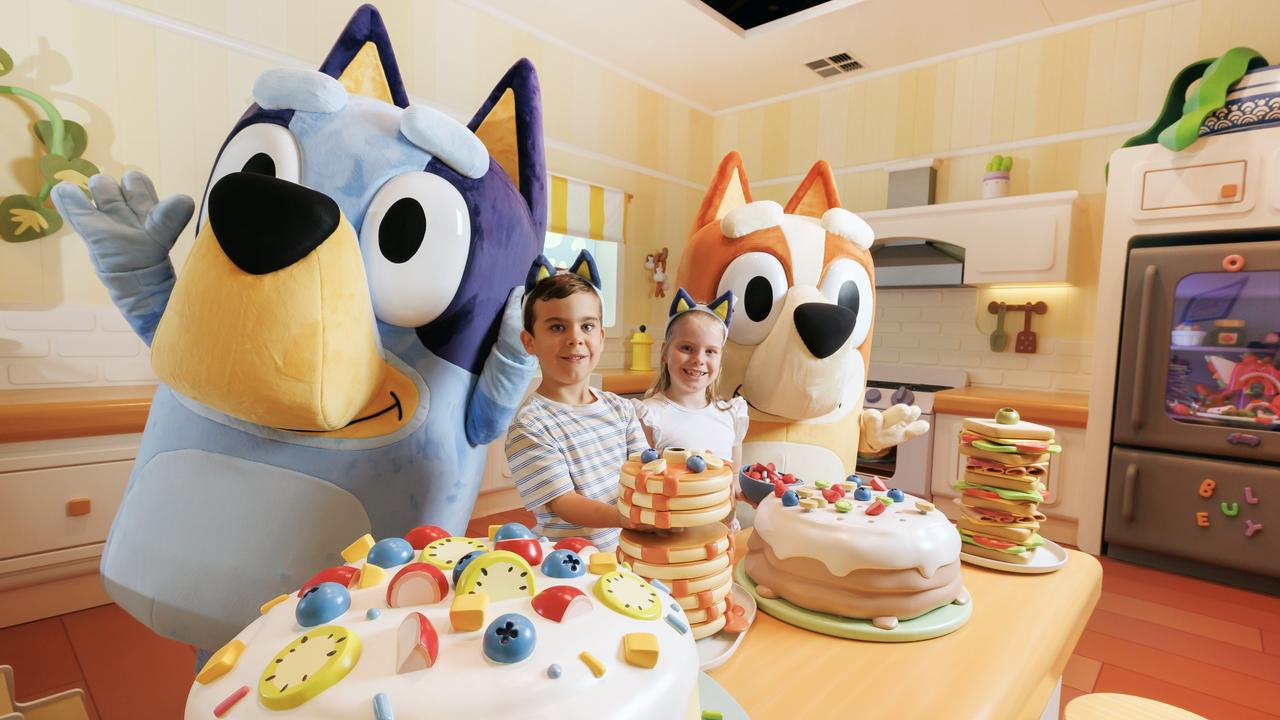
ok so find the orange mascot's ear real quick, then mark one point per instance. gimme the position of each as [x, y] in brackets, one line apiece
[727, 191]
[817, 193]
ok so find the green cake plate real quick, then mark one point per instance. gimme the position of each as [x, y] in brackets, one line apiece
[935, 623]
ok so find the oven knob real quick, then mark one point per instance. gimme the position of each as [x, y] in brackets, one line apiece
[904, 396]
[873, 395]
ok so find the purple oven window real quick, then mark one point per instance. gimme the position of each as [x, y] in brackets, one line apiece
[1224, 356]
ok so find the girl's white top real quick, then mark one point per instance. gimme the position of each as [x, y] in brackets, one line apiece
[718, 427]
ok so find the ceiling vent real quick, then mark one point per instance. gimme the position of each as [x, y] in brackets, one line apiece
[834, 65]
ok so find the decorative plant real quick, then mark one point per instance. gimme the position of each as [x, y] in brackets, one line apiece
[1000, 163]
[27, 217]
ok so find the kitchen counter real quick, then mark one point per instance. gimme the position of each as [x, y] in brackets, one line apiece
[56, 413]
[1003, 664]
[1041, 406]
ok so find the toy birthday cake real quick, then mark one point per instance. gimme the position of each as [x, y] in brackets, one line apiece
[433, 626]
[855, 549]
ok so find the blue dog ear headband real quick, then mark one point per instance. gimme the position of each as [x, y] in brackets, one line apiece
[721, 308]
[583, 266]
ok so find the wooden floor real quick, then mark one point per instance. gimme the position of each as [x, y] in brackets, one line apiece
[1210, 649]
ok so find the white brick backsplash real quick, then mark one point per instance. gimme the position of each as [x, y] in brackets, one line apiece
[24, 344]
[921, 298]
[897, 341]
[958, 314]
[889, 297]
[984, 376]
[977, 343]
[94, 345]
[964, 360]
[880, 355]
[52, 372]
[65, 317]
[1054, 363]
[1074, 347]
[962, 328]
[940, 342]
[110, 320]
[129, 371]
[887, 328]
[1007, 361]
[901, 313]
[1028, 379]
[920, 357]
[920, 328]
[1072, 383]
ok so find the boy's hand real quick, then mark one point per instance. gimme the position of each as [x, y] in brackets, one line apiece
[512, 323]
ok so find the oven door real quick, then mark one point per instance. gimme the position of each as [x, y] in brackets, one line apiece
[1199, 348]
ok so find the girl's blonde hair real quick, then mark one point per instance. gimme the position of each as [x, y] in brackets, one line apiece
[663, 381]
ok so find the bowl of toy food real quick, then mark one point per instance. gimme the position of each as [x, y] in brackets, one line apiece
[1188, 335]
[759, 480]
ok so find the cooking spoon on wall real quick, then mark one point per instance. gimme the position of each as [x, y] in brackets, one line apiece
[999, 338]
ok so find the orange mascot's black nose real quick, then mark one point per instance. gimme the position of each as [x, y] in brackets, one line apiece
[265, 224]
[823, 327]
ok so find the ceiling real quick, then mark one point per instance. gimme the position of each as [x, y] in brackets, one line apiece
[685, 49]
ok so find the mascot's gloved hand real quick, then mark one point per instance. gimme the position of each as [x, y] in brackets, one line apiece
[130, 229]
[512, 324]
[896, 425]
[129, 233]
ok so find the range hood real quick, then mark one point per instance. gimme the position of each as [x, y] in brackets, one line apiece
[917, 262]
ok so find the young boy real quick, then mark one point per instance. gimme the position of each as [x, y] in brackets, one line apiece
[568, 442]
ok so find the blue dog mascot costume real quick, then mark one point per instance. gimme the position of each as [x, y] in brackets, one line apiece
[342, 342]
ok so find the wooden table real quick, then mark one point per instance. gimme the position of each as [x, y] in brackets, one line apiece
[1004, 664]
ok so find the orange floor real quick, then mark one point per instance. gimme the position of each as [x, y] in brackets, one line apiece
[1211, 649]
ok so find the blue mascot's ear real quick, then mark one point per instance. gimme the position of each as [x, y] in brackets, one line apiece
[680, 303]
[585, 265]
[540, 270]
[362, 59]
[509, 123]
[723, 306]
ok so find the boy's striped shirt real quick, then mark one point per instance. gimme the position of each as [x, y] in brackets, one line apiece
[553, 448]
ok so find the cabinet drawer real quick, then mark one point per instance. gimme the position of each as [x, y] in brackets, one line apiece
[1194, 186]
[1153, 499]
[34, 509]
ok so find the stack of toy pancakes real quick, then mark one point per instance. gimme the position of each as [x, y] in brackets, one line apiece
[677, 488]
[695, 564]
[1006, 461]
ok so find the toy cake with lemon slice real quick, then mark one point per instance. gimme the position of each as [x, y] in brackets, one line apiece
[434, 626]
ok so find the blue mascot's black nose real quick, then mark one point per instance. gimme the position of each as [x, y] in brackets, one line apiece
[265, 224]
[824, 327]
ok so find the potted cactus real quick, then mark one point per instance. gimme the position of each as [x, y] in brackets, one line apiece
[995, 183]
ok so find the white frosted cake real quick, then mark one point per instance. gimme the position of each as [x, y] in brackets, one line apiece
[525, 629]
[857, 553]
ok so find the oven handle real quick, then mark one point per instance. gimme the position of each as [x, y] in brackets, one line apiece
[1144, 329]
[1128, 491]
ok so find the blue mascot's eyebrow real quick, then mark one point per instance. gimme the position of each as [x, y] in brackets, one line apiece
[447, 139]
[291, 89]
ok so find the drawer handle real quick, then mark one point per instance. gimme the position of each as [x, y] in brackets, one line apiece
[1149, 276]
[1126, 496]
[79, 506]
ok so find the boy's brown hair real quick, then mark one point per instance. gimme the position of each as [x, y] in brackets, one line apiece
[556, 287]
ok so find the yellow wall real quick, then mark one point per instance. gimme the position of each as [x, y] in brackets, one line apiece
[161, 99]
[1105, 81]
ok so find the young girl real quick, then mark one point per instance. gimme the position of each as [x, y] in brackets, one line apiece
[682, 408]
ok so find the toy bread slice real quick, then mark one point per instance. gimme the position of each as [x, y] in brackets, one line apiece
[1007, 425]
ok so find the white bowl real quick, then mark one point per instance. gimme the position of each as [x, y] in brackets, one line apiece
[1188, 337]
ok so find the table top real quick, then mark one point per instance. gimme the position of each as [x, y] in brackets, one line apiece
[1003, 664]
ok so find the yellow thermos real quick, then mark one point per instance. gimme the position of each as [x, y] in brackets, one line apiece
[640, 344]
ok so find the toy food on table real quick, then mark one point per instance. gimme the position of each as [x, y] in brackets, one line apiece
[461, 629]
[855, 549]
[676, 488]
[1006, 461]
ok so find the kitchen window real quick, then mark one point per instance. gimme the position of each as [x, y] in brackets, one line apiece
[589, 217]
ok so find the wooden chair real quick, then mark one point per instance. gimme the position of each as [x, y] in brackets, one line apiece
[1114, 706]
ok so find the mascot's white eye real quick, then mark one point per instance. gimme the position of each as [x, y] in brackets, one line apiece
[415, 240]
[847, 284]
[759, 284]
[264, 148]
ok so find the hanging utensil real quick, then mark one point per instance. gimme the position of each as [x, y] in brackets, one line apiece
[999, 338]
[1026, 341]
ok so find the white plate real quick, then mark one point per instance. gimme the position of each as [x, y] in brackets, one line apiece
[714, 697]
[715, 650]
[1045, 559]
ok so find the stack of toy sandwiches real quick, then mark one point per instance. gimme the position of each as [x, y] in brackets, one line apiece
[1006, 461]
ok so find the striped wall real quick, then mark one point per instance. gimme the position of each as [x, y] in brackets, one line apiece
[1059, 103]
[158, 83]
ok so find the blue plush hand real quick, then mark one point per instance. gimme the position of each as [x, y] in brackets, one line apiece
[129, 229]
[512, 324]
